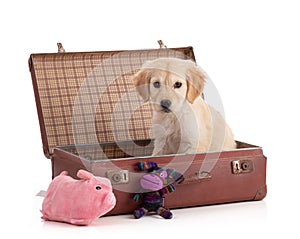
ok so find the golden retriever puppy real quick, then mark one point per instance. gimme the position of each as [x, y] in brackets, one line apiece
[182, 121]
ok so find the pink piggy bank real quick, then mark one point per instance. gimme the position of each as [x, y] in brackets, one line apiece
[78, 202]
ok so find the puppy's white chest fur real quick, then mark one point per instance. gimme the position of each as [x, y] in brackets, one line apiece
[175, 133]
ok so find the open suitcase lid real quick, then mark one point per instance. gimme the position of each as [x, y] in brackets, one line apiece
[89, 97]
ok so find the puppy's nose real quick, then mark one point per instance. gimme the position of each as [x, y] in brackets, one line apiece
[165, 104]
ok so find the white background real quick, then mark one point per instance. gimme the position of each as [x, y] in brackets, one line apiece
[250, 50]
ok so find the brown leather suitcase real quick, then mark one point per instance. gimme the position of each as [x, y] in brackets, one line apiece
[91, 118]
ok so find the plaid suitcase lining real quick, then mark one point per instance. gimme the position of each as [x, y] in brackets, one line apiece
[88, 98]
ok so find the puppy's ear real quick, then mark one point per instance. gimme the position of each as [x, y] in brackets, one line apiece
[141, 81]
[195, 83]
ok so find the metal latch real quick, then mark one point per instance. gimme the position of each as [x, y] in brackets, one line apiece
[118, 176]
[242, 166]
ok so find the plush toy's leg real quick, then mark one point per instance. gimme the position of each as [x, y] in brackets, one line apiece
[164, 212]
[140, 212]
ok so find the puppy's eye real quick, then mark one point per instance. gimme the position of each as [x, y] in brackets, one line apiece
[156, 84]
[177, 84]
[98, 187]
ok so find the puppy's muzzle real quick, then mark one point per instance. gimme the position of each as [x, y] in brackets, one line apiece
[165, 105]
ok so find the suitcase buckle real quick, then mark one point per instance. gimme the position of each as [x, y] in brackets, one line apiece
[118, 176]
[242, 166]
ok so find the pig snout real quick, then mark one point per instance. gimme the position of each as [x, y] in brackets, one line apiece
[107, 202]
[110, 199]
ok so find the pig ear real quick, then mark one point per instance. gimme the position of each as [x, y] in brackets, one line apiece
[105, 181]
[63, 173]
[82, 174]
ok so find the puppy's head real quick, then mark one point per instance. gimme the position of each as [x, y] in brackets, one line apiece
[169, 82]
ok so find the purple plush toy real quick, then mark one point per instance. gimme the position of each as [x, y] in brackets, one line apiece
[155, 184]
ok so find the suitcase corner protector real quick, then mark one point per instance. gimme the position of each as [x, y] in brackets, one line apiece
[261, 193]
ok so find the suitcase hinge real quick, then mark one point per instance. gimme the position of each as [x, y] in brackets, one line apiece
[161, 44]
[242, 166]
[60, 48]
